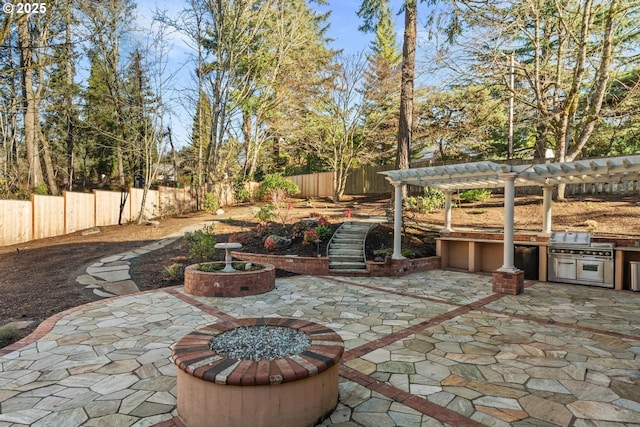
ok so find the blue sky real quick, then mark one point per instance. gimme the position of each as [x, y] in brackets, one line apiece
[343, 29]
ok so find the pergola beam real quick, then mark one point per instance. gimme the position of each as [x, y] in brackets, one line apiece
[487, 174]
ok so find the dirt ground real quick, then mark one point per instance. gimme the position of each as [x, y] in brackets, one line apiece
[38, 277]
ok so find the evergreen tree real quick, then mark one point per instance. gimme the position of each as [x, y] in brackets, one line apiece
[60, 110]
[382, 83]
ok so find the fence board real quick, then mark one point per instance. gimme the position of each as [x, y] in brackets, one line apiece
[15, 221]
[48, 216]
[151, 206]
[314, 185]
[367, 180]
[177, 200]
[79, 210]
[108, 207]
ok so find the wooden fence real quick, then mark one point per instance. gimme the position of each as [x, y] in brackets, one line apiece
[48, 216]
[367, 180]
[364, 180]
[595, 188]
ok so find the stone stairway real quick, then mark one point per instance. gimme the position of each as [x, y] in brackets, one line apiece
[346, 248]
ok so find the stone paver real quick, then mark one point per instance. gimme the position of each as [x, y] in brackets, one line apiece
[429, 349]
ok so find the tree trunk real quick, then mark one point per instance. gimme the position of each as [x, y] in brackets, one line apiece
[69, 97]
[30, 108]
[406, 90]
[48, 164]
[405, 125]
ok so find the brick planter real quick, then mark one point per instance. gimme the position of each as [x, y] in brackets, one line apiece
[229, 284]
[295, 391]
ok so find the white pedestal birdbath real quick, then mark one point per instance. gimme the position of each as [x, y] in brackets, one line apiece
[227, 257]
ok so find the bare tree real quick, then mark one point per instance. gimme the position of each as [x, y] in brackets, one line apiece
[337, 125]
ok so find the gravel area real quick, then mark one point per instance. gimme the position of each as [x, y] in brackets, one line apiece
[260, 343]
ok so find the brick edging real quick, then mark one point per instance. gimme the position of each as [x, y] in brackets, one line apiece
[192, 355]
[47, 325]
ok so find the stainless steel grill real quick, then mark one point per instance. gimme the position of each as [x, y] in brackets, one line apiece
[573, 258]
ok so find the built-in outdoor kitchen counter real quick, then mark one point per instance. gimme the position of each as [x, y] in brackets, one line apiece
[481, 250]
[626, 252]
[566, 257]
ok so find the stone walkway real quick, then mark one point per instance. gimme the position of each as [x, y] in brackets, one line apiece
[429, 349]
[110, 276]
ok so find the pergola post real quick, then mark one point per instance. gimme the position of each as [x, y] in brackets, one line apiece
[546, 208]
[397, 221]
[509, 204]
[447, 211]
[508, 279]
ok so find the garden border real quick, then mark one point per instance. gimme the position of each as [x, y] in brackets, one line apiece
[320, 266]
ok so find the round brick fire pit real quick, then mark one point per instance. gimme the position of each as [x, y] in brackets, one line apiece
[221, 283]
[297, 391]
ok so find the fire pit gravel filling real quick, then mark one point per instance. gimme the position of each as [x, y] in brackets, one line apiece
[260, 343]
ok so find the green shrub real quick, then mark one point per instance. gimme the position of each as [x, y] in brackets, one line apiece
[242, 195]
[202, 243]
[173, 272]
[240, 266]
[211, 203]
[435, 198]
[8, 335]
[240, 191]
[475, 195]
[266, 213]
[408, 253]
[432, 199]
[41, 189]
[275, 183]
[323, 232]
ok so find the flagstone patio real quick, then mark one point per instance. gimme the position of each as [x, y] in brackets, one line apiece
[429, 349]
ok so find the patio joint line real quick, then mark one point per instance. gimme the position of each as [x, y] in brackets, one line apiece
[552, 322]
[419, 327]
[481, 305]
[174, 291]
[420, 404]
[391, 291]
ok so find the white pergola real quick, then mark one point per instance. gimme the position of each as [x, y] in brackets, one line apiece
[466, 176]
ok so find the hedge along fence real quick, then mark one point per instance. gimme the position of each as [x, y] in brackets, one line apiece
[49, 216]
